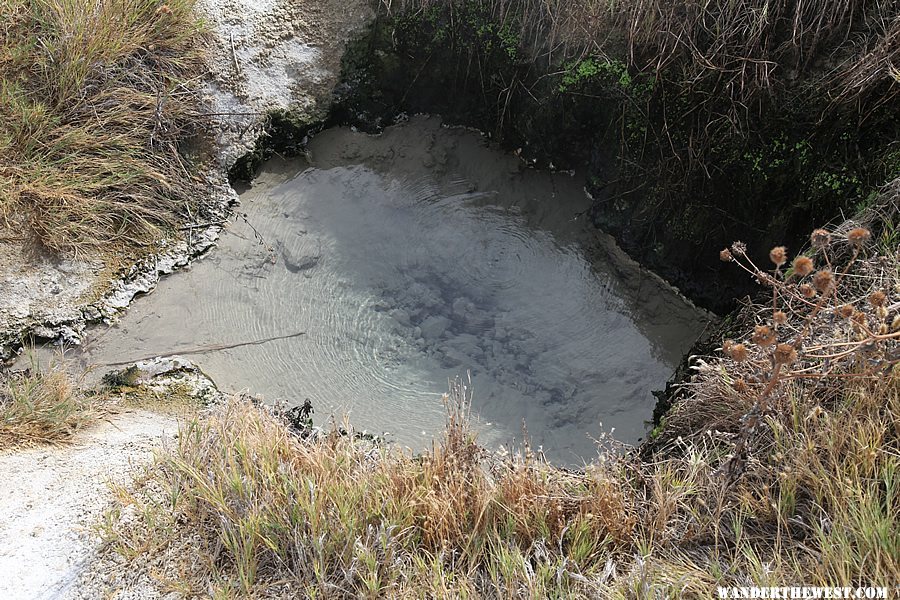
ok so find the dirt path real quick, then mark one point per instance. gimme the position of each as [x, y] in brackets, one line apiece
[52, 495]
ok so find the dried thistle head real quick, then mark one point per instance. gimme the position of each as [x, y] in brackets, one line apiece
[735, 351]
[846, 311]
[807, 290]
[726, 256]
[779, 317]
[778, 255]
[803, 266]
[877, 298]
[820, 238]
[740, 385]
[738, 352]
[858, 236]
[823, 281]
[763, 336]
[784, 354]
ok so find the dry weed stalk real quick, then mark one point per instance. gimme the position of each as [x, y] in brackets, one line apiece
[830, 318]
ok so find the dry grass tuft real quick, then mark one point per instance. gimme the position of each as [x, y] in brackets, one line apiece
[96, 99]
[336, 516]
[41, 408]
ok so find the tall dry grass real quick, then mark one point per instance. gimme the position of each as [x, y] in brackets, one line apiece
[242, 508]
[96, 99]
[41, 407]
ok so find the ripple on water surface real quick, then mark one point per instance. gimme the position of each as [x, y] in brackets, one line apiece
[408, 259]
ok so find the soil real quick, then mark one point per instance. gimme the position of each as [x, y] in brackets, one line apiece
[40, 294]
[46, 536]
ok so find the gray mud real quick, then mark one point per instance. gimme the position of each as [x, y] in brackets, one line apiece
[410, 258]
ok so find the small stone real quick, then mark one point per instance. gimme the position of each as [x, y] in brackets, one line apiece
[433, 327]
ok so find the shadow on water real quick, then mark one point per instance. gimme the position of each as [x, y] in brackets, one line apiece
[410, 258]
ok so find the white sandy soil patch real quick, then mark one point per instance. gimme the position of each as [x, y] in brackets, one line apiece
[53, 495]
[42, 292]
[274, 54]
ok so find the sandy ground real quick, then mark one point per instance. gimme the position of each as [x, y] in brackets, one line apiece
[38, 293]
[53, 495]
[275, 54]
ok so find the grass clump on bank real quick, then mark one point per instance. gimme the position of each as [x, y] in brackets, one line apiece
[41, 408]
[96, 101]
[789, 474]
[242, 508]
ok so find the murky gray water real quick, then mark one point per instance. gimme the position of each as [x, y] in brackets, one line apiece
[408, 259]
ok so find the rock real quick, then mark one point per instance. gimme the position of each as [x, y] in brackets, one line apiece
[434, 326]
[466, 344]
[453, 358]
[297, 262]
[163, 374]
[462, 307]
[91, 313]
[161, 366]
[401, 316]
